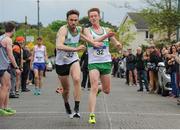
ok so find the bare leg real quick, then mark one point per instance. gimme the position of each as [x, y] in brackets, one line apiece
[130, 78]
[94, 78]
[106, 83]
[75, 73]
[4, 90]
[66, 88]
[36, 77]
[40, 73]
[17, 81]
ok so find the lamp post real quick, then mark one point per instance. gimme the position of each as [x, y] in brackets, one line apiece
[178, 27]
[38, 17]
[25, 28]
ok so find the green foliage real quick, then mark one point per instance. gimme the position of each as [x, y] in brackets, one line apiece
[50, 47]
[47, 34]
[1, 28]
[55, 25]
[84, 22]
[124, 33]
[109, 25]
[162, 16]
[20, 32]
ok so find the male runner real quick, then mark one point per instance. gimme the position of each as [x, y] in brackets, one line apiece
[99, 62]
[39, 56]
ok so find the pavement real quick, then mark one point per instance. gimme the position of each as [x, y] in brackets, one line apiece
[123, 108]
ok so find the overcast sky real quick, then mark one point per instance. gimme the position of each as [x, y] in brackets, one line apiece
[51, 10]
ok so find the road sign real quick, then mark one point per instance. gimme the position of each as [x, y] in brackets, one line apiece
[29, 38]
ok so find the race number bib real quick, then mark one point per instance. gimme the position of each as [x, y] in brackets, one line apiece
[99, 51]
[39, 58]
[70, 54]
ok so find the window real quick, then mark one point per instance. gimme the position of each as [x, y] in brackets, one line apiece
[147, 34]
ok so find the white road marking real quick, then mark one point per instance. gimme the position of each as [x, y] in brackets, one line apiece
[113, 113]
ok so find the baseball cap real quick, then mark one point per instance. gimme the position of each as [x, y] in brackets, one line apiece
[20, 39]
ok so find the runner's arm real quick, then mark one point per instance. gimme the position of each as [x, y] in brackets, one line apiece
[115, 42]
[61, 35]
[93, 42]
[88, 37]
[108, 35]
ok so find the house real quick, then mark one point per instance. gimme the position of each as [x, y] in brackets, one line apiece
[139, 28]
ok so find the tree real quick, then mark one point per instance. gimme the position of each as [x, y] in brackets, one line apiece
[1, 28]
[162, 16]
[55, 25]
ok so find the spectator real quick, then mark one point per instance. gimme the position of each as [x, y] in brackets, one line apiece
[115, 62]
[172, 67]
[130, 63]
[85, 71]
[126, 70]
[152, 65]
[15, 78]
[6, 56]
[140, 66]
[26, 68]
[178, 72]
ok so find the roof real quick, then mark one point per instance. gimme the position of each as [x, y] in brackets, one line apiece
[140, 22]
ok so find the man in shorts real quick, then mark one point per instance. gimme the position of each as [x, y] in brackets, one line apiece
[39, 55]
[99, 60]
[6, 56]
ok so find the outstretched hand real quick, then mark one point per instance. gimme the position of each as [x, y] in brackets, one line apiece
[81, 48]
[98, 44]
[119, 46]
[110, 34]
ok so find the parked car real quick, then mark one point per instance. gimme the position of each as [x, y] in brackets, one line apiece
[121, 73]
[164, 80]
[49, 66]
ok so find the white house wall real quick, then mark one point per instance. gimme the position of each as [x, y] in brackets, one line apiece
[139, 38]
[138, 41]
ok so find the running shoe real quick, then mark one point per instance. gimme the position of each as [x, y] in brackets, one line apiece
[70, 115]
[59, 90]
[35, 91]
[98, 93]
[5, 113]
[76, 115]
[10, 110]
[38, 91]
[68, 111]
[92, 119]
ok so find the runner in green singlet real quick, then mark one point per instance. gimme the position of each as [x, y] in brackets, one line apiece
[99, 63]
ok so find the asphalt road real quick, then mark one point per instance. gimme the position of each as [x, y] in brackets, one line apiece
[123, 108]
